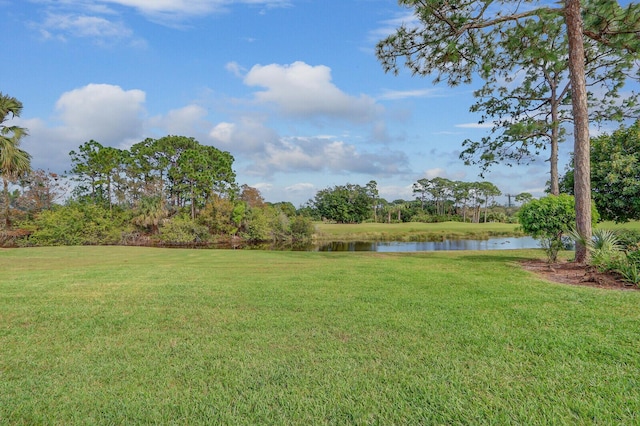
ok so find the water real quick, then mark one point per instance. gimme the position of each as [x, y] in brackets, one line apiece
[397, 246]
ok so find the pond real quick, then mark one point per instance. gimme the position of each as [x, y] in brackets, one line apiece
[414, 246]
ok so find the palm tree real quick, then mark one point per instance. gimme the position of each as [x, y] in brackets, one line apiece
[14, 162]
[10, 107]
[150, 213]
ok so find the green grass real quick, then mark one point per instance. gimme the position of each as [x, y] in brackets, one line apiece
[414, 231]
[632, 225]
[127, 335]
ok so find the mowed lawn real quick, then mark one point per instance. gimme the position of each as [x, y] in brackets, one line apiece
[126, 335]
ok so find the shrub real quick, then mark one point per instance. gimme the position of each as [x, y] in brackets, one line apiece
[606, 251]
[181, 229]
[302, 228]
[78, 224]
[547, 219]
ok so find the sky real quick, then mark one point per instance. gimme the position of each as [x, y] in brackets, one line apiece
[291, 88]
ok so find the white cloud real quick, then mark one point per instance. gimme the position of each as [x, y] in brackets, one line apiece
[102, 112]
[234, 68]
[395, 192]
[302, 90]
[172, 11]
[313, 154]
[103, 31]
[300, 187]
[440, 172]
[249, 136]
[187, 121]
[389, 26]
[262, 186]
[87, 26]
[404, 94]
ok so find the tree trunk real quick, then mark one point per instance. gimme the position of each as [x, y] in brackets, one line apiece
[555, 136]
[582, 166]
[7, 203]
[193, 203]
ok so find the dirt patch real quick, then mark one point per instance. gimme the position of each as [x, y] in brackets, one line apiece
[575, 274]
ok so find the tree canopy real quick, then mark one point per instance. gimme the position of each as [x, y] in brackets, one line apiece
[615, 174]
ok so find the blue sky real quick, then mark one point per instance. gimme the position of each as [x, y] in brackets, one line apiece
[291, 88]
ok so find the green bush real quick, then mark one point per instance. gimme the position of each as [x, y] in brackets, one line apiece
[548, 218]
[181, 229]
[79, 224]
[302, 228]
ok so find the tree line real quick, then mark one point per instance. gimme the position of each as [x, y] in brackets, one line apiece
[436, 200]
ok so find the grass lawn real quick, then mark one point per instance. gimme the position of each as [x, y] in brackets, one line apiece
[632, 225]
[413, 231]
[129, 335]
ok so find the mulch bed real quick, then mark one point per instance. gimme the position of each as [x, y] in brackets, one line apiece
[575, 274]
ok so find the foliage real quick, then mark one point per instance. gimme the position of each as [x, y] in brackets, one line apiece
[181, 229]
[178, 169]
[149, 213]
[221, 216]
[615, 173]
[301, 228]
[547, 219]
[78, 224]
[630, 268]
[606, 250]
[343, 203]
[272, 224]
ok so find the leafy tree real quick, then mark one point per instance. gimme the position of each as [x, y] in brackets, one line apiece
[301, 228]
[343, 203]
[372, 191]
[615, 174]
[14, 162]
[286, 207]
[221, 216]
[458, 38]
[252, 196]
[548, 219]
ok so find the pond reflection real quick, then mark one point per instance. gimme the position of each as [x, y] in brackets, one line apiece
[399, 246]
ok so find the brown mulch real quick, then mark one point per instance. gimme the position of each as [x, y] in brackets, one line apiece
[576, 274]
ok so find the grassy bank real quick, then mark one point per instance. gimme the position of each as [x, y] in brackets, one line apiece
[124, 335]
[414, 231]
